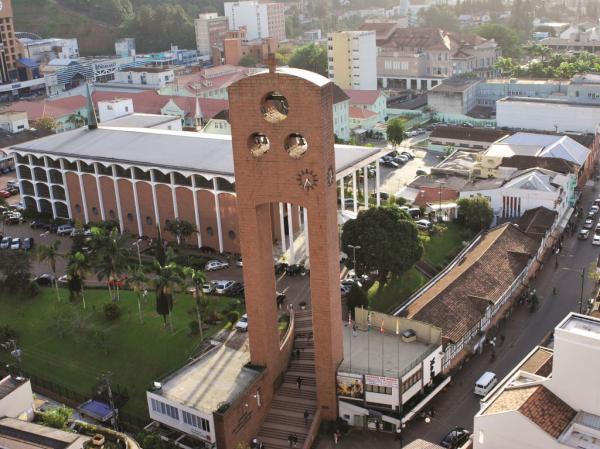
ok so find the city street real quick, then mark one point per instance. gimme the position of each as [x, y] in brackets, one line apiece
[523, 330]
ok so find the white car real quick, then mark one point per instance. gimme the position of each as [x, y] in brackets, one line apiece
[595, 208]
[15, 243]
[209, 287]
[424, 224]
[222, 287]
[239, 262]
[213, 265]
[65, 230]
[596, 240]
[589, 224]
[6, 242]
[242, 324]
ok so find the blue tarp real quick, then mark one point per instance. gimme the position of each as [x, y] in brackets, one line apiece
[28, 63]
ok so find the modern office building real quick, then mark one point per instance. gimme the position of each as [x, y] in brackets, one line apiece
[210, 32]
[45, 50]
[8, 44]
[352, 59]
[261, 20]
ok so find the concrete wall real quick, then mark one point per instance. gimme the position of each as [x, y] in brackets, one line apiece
[17, 402]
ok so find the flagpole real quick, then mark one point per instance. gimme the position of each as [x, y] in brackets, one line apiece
[382, 352]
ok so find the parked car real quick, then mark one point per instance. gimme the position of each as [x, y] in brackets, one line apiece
[421, 173]
[239, 262]
[467, 125]
[583, 234]
[65, 229]
[27, 243]
[407, 154]
[455, 438]
[213, 265]
[44, 279]
[15, 243]
[223, 287]
[5, 194]
[424, 224]
[344, 290]
[588, 224]
[242, 324]
[13, 190]
[595, 209]
[63, 280]
[209, 287]
[5, 242]
[391, 164]
[597, 202]
[596, 240]
[39, 224]
[19, 206]
[13, 218]
[237, 289]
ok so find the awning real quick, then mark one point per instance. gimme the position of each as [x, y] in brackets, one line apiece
[443, 206]
[359, 131]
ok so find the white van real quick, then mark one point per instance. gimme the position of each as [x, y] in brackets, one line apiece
[485, 383]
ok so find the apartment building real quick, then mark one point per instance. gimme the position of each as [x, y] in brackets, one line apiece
[8, 44]
[352, 59]
[210, 32]
[420, 58]
[550, 399]
[261, 20]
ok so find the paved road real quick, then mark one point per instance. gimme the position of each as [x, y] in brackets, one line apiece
[523, 330]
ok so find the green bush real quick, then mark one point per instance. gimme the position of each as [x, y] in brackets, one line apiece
[112, 311]
[57, 418]
[194, 327]
[233, 316]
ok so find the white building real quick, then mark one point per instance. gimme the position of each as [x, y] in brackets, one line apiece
[125, 47]
[16, 397]
[45, 50]
[373, 100]
[544, 114]
[551, 400]
[210, 31]
[261, 20]
[146, 77]
[524, 190]
[352, 57]
[14, 122]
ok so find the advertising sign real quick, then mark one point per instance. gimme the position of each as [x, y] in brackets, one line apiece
[350, 385]
[381, 381]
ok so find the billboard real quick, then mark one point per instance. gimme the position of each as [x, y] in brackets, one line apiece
[380, 381]
[350, 385]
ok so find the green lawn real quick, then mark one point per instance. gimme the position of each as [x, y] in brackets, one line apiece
[443, 247]
[73, 357]
[395, 291]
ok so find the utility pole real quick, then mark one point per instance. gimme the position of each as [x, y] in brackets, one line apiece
[15, 352]
[105, 379]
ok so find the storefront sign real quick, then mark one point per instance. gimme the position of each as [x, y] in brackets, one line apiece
[381, 381]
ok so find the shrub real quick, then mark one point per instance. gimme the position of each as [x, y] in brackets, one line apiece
[57, 418]
[233, 316]
[194, 327]
[112, 311]
[32, 289]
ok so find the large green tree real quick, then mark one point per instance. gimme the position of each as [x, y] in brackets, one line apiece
[50, 254]
[475, 213]
[15, 269]
[78, 269]
[389, 241]
[111, 255]
[440, 16]
[395, 131]
[310, 57]
[356, 297]
[181, 229]
[197, 278]
[506, 37]
[167, 279]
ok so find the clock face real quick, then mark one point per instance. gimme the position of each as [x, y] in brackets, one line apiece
[307, 179]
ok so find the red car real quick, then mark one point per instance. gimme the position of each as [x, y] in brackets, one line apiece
[5, 194]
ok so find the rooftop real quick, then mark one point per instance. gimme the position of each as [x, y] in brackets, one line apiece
[461, 162]
[143, 147]
[17, 434]
[582, 325]
[457, 301]
[537, 222]
[10, 384]
[362, 96]
[214, 378]
[523, 162]
[454, 85]
[360, 113]
[137, 120]
[421, 444]
[475, 134]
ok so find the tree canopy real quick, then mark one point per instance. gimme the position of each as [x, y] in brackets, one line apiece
[507, 38]
[475, 213]
[389, 241]
[310, 57]
[395, 131]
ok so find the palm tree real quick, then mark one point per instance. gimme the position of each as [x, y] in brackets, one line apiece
[198, 278]
[167, 279]
[505, 65]
[49, 253]
[78, 269]
[137, 281]
[181, 229]
[112, 253]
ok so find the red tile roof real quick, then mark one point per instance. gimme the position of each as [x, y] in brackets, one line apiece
[547, 411]
[457, 301]
[362, 96]
[360, 113]
[428, 195]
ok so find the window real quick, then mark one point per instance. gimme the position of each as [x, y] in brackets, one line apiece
[148, 220]
[231, 235]
[195, 421]
[209, 231]
[378, 389]
[165, 409]
[130, 216]
[411, 381]
[78, 207]
[95, 211]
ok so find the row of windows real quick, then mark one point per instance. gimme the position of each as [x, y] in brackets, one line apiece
[134, 173]
[378, 389]
[165, 409]
[196, 421]
[411, 381]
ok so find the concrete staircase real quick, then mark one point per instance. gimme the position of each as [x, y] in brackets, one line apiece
[286, 415]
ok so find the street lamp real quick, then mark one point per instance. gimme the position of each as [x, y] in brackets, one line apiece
[137, 244]
[354, 248]
[582, 274]
[441, 183]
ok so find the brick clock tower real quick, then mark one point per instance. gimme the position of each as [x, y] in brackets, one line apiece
[283, 148]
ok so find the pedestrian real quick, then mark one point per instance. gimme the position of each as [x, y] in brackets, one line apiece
[291, 440]
[306, 414]
[295, 440]
[354, 333]
[335, 437]
[297, 353]
[299, 382]
[377, 425]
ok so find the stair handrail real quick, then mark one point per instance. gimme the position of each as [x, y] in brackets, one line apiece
[313, 430]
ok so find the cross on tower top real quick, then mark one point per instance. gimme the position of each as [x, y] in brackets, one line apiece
[272, 62]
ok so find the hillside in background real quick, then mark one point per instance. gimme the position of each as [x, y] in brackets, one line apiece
[156, 24]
